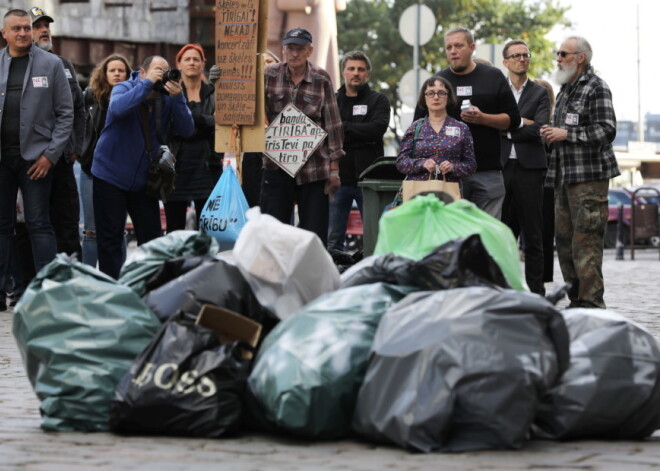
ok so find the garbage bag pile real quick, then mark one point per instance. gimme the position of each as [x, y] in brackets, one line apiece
[611, 389]
[78, 331]
[419, 226]
[309, 369]
[433, 344]
[461, 369]
[186, 382]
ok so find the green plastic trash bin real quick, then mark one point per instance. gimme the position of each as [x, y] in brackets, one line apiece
[380, 183]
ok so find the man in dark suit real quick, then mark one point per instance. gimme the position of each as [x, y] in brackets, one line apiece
[524, 162]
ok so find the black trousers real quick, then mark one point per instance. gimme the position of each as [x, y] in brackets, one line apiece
[522, 211]
[279, 193]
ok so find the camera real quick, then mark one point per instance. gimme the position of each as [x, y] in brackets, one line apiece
[173, 75]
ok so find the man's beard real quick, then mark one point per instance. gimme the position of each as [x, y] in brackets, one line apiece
[45, 46]
[564, 76]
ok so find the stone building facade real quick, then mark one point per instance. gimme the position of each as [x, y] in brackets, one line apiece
[86, 31]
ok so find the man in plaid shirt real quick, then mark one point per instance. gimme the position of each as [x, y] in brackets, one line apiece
[582, 161]
[310, 90]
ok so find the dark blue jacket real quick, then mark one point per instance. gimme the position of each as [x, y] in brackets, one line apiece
[120, 157]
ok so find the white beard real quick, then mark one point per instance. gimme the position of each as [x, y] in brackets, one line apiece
[566, 75]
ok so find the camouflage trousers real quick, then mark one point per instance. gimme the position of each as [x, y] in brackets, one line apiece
[580, 220]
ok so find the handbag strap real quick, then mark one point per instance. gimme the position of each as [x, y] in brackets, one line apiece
[146, 129]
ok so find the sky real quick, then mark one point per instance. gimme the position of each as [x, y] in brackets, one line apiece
[611, 28]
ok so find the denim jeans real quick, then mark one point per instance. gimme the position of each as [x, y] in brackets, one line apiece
[36, 197]
[340, 208]
[89, 252]
[111, 204]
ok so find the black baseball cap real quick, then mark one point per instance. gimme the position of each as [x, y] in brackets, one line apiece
[298, 36]
[37, 13]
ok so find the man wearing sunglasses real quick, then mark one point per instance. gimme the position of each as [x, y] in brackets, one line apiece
[581, 163]
[485, 103]
[524, 161]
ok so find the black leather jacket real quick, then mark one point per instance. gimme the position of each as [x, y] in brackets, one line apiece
[94, 122]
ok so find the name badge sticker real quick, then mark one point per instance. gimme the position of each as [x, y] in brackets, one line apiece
[453, 131]
[359, 110]
[67, 72]
[40, 82]
[464, 91]
[572, 119]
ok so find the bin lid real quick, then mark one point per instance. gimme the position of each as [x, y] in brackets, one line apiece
[380, 185]
[383, 168]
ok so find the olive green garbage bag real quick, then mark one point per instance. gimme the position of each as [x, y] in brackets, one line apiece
[419, 226]
[78, 331]
[309, 369]
[148, 258]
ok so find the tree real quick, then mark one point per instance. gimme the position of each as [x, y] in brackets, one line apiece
[372, 26]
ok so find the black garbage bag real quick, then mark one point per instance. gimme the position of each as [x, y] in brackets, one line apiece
[309, 369]
[611, 389]
[344, 260]
[184, 383]
[213, 281]
[460, 262]
[461, 369]
[171, 269]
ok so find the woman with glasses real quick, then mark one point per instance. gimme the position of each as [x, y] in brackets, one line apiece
[437, 146]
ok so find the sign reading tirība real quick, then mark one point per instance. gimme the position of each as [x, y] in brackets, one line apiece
[236, 35]
[292, 138]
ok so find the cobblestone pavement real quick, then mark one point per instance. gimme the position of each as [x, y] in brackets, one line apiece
[631, 289]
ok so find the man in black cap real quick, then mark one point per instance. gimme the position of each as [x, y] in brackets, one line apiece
[309, 88]
[64, 202]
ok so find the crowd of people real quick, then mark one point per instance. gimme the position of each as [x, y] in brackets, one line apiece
[494, 134]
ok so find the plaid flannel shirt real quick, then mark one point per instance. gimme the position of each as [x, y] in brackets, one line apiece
[315, 97]
[584, 108]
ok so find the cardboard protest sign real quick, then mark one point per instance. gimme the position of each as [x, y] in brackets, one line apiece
[236, 56]
[292, 138]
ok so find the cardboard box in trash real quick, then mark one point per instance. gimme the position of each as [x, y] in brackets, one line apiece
[229, 325]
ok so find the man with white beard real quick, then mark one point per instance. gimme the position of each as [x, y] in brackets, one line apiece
[581, 163]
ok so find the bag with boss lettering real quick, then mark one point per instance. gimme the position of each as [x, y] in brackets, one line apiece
[184, 383]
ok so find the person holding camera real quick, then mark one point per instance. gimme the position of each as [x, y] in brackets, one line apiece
[198, 166]
[140, 110]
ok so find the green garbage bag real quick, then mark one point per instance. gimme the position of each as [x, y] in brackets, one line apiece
[144, 262]
[78, 332]
[417, 227]
[309, 369]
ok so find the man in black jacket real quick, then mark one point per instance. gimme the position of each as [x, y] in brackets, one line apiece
[365, 116]
[524, 162]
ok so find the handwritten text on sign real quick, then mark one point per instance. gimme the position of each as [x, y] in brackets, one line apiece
[292, 138]
[236, 57]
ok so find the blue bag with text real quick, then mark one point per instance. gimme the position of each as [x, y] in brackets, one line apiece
[223, 215]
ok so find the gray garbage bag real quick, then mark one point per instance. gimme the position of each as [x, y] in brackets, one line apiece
[612, 386]
[461, 369]
[309, 368]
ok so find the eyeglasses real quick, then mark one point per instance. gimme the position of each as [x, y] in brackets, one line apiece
[517, 57]
[564, 53]
[439, 93]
